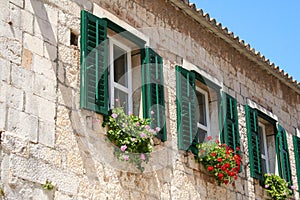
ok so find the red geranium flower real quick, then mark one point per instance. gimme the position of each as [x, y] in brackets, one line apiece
[219, 159]
[210, 168]
[213, 154]
[220, 175]
[226, 182]
[209, 137]
[237, 148]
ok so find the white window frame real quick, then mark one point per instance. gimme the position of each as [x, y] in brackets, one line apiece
[199, 125]
[112, 83]
[265, 157]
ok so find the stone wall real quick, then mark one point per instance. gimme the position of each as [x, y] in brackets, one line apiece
[46, 136]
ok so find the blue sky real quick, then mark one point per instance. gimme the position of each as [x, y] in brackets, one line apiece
[272, 27]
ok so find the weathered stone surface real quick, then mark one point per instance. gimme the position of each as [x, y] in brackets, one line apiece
[21, 123]
[22, 78]
[14, 144]
[38, 172]
[4, 70]
[11, 49]
[47, 132]
[33, 44]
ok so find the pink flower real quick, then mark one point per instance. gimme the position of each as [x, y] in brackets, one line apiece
[129, 113]
[157, 129]
[143, 156]
[143, 135]
[133, 139]
[123, 147]
[152, 112]
[137, 124]
[125, 157]
[147, 127]
[114, 115]
[293, 187]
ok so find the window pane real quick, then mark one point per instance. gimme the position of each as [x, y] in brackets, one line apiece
[120, 66]
[264, 166]
[202, 134]
[202, 110]
[123, 99]
[261, 140]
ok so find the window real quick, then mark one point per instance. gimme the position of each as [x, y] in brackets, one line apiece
[120, 75]
[198, 101]
[203, 117]
[267, 144]
[110, 57]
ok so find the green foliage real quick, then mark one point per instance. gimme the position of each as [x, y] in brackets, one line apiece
[1, 192]
[220, 160]
[277, 187]
[48, 185]
[131, 135]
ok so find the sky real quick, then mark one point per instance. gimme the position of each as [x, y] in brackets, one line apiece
[271, 27]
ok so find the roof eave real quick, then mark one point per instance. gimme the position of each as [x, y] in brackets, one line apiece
[239, 45]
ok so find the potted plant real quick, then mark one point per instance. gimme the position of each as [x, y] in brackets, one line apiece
[277, 187]
[219, 160]
[131, 135]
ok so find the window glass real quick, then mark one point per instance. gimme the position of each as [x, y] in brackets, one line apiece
[120, 66]
[202, 108]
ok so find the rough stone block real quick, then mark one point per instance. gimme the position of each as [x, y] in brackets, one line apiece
[38, 171]
[65, 96]
[2, 116]
[22, 78]
[44, 87]
[64, 35]
[42, 11]
[14, 98]
[47, 133]
[50, 51]
[4, 11]
[45, 154]
[11, 48]
[27, 21]
[13, 144]
[45, 30]
[27, 59]
[21, 123]
[4, 70]
[40, 107]
[44, 66]
[34, 44]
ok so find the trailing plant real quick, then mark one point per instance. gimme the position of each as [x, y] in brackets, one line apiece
[277, 187]
[48, 185]
[220, 161]
[131, 135]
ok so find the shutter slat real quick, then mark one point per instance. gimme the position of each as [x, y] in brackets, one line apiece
[186, 106]
[93, 72]
[253, 143]
[283, 154]
[153, 91]
[229, 133]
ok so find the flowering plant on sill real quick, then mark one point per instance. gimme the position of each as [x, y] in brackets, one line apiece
[131, 135]
[277, 187]
[220, 160]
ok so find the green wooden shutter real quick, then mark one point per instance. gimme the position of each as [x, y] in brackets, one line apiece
[94, 64]
[186, 108]
[253, 143]
[230, 131]
[296, 142]
[153, 91]
[283, 154]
